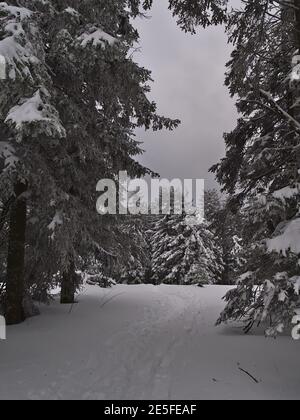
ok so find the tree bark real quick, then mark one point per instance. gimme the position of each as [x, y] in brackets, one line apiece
[68, 285]
[14, 313]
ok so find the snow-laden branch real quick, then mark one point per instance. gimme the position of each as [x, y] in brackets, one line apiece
[20, 13]
[36, 110]
[289, 239]
[96, 37]
[15, 47]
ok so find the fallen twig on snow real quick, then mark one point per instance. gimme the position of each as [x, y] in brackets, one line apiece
[249, 374]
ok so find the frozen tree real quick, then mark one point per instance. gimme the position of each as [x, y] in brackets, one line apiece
[227, 226]
[27, 113]
[231, 234]
[261, 168]
[184, 253]
[137, 259]
[70, 103]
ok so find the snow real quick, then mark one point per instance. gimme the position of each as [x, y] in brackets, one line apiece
[96, 37]
[71, 11]
[17, 57]
[286, 193]
[7, 152]
[57, 221]
[144, 342]
[2, 68]
[295, 75]
[35, 109]
[296, 330]
[18, 12]
[30, 110]
[296, 281]
[289, 239]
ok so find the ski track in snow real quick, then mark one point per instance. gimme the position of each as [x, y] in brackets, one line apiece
[144, 342]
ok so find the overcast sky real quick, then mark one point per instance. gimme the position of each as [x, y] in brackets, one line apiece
[189, 85]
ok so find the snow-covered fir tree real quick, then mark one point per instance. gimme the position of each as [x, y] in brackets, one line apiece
[27, 115]
[261, 168]
[137, 259]
[184, 253]
[70, 102]
[227, 226]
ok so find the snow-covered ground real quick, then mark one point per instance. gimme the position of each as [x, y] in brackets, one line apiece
[144, 342]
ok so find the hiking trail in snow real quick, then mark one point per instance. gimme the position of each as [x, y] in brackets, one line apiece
[144, 342]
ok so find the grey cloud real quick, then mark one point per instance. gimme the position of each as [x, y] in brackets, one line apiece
[189, 85]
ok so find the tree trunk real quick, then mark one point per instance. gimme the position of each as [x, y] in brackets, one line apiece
[15, 259]
[68, 285]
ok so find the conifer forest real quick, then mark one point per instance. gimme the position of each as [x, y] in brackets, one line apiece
[150, 202]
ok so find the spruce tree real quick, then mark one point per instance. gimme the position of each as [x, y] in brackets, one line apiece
[228, 227]
[261, 168]
[184, 253]
[76, 97]
[27, 116]
[137, 257]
